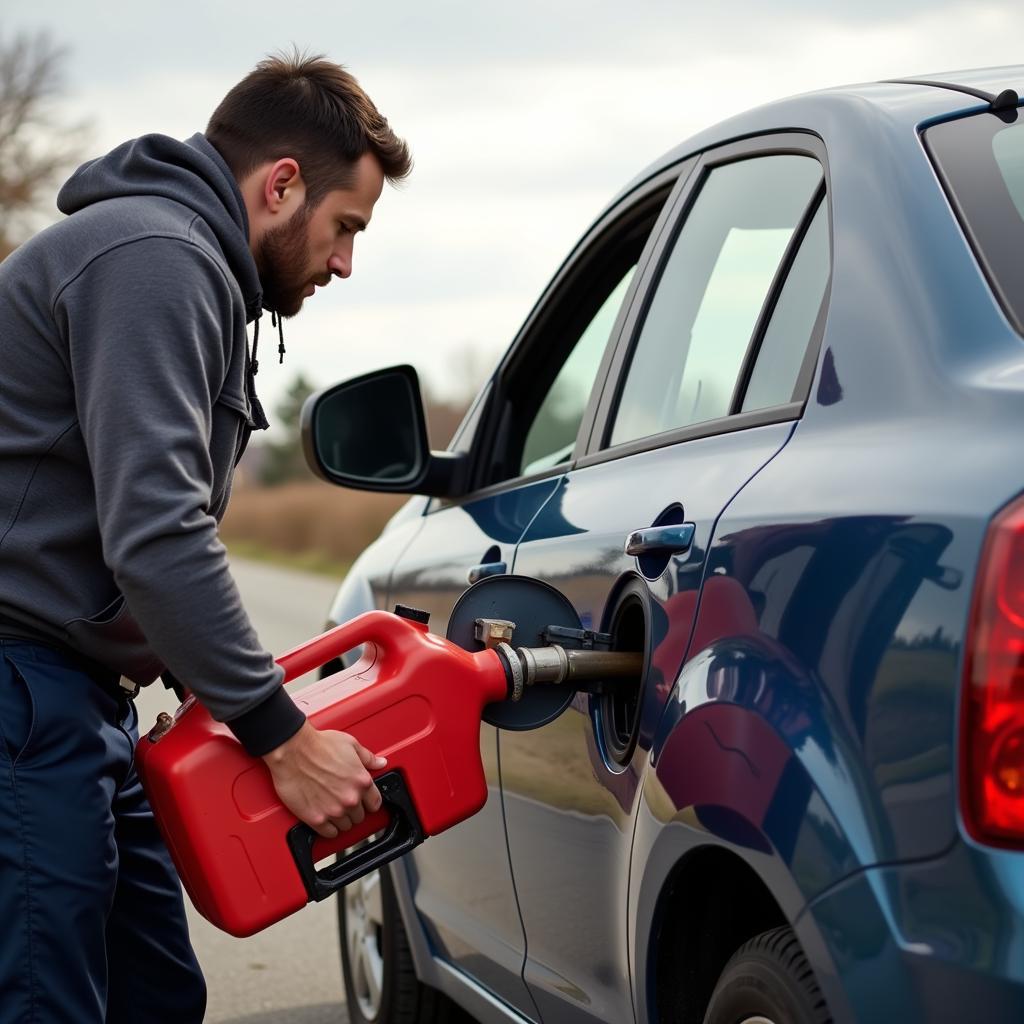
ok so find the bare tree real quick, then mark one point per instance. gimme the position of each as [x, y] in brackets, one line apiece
[36, 145]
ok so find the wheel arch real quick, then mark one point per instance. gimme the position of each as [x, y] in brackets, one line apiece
[684, 932]
[693, 932]
[742, 795]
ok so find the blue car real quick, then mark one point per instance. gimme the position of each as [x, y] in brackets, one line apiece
[763, 428]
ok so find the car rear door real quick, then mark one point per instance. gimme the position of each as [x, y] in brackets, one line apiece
[460, 880]
[712, 365]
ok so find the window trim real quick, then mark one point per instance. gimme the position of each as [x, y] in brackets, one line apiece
[708, 428]
[795, 141]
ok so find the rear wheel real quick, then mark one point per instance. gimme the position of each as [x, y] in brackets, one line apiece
[381, 986]
[768, 981]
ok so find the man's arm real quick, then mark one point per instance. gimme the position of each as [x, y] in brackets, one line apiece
[323, 778]
[149, 326]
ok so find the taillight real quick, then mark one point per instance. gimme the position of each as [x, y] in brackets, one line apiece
[992, 729]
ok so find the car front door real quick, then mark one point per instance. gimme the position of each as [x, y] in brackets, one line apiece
[461, 880]
[702, 392]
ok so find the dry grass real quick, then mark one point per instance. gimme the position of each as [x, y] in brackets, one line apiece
[314, 521]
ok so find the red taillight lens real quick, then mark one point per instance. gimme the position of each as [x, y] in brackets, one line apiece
[992, 729]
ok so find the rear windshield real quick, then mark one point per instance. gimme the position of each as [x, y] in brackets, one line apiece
[980, 160]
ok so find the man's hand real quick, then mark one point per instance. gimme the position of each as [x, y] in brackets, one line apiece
[323, 778]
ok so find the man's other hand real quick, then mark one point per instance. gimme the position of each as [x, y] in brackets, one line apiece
[323, 778]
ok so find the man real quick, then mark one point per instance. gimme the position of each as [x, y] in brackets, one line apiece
[126, 398]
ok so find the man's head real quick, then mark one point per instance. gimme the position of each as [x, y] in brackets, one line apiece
[310, 153]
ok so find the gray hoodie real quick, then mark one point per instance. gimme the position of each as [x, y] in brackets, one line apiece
[126, 399]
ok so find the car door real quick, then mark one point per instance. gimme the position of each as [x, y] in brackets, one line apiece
[702, 392]
[461, 880]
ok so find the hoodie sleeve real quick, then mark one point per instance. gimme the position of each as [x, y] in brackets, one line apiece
[148, 326]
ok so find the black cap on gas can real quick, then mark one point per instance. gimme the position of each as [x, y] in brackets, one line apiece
[413, 614]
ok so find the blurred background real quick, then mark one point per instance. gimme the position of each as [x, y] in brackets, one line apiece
[524, 120]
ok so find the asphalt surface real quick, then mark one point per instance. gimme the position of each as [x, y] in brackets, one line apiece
[290, 973]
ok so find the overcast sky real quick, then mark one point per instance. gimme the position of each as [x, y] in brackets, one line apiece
[524, 119]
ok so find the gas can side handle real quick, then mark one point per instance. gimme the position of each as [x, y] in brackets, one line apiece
[404, 833]
[374, 627]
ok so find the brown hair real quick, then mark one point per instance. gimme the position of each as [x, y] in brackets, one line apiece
[311, 110]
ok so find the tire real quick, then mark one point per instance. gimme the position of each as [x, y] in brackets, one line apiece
[380, 980]
[768, 981]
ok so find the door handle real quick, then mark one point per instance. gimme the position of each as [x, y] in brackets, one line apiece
[671, 539]
[478, 572]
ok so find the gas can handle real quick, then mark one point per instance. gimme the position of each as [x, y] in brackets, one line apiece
[375, 627]
[403, 834]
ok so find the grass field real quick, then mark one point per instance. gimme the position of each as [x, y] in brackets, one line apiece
[309, 525]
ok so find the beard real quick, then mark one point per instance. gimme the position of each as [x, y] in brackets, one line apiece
[282, 261]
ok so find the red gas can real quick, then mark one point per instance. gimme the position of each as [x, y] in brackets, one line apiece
[413, 697]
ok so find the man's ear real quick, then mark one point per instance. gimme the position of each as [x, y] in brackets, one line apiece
[283, 187]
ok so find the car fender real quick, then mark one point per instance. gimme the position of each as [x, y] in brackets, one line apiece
[746, 764]
[366, 586]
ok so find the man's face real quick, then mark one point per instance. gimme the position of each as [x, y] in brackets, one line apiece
[315, 245]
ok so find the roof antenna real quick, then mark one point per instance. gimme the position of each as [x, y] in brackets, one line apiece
[1006, 100]
[1004, 106]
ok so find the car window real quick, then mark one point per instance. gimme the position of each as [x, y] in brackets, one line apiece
[552, 435]
[1008, 149]
[699, 324]
[774, 377]
[545, 385]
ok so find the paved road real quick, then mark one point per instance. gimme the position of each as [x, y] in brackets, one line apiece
[290, 973]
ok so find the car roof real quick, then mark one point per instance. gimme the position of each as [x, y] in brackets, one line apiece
[993, 80]
[908, 101]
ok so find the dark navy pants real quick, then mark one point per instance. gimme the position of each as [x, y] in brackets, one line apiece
[92, 924]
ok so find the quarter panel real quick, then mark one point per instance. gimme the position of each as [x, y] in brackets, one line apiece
[857, 560]
[938, 940]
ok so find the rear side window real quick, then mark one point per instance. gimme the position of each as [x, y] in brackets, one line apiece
[784, 347]
[980, 160]
[699, 325]
[1008, 149]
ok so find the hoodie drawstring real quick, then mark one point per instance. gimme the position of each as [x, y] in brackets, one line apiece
[256, 415]
[278, 322]
[254, 362]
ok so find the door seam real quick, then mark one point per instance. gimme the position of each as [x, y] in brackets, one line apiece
[707, 558]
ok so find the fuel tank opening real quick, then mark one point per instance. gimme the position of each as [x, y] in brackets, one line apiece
[548, 656]
[617, 709]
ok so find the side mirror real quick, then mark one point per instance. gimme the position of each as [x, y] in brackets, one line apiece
[370, 433]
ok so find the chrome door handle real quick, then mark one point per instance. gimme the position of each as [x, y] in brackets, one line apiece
[671, 539]
[478, 572]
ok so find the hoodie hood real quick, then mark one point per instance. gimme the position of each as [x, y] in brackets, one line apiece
[192, 173]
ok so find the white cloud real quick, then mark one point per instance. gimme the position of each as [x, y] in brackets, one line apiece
[524, 120]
